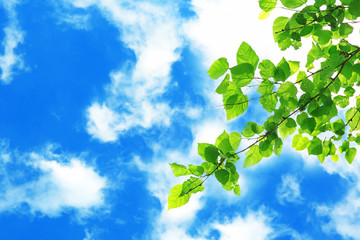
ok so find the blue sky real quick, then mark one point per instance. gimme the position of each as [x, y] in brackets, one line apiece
[97, 97]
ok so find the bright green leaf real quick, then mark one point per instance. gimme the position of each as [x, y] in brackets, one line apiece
[287, 90]
[179, 170]
[300, 143]
[237, 190]
[267, 5]
[196, 170]
[174, 199]
[235, 139]
[253, 156]
[218, 68]
[246, 54]
[223, 85]
[267, 69]
[223, 143]
[287, 128]
[293, 3]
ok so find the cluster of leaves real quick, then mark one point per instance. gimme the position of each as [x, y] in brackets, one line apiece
[304, 103]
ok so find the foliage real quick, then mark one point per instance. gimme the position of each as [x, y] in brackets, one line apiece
[302, 104]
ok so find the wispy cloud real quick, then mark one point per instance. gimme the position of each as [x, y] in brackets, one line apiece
[343, 217]
[289, 189]
[10, 60]
[134, 95]
[49, 183]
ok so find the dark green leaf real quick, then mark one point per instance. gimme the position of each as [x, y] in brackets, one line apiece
[278, 146]
[222, 176]
[350, 155]
[208, 152]
[354, 8]
[315, 146]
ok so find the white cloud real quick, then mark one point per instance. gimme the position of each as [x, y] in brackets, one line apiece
[254, 226]
[289, 189]
[49, 184]
[10, 60]
[135, 91]
[344, 215]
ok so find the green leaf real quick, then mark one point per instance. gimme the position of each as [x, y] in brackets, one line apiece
[237, 190]
[192, 185]
[223, 85]
[307, 125]
[246, 54]
[345, 30]
[265, 87]
[344, 146]
[179, 170]
[287, 128]
[218, 68]
[209, 168]
[352, 116]
[293, 3]
[349, 91]
[242, 74]
[266, 148]
[287, 90]
[251, 129]
[300, 143]
[269, 102]
[350, 155]
[278, 146]
[294, 66]
[222, 176]
[315, 147]
[208, 152]
[280, 36]
[235, 101]
[338, 127]
[267, 69]
[223, 143]
[253, 156]
[196, 170]
[282, 71]
[342, 101]
[354, 8]
[267, 5]
[174, 199]
[235, 139]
